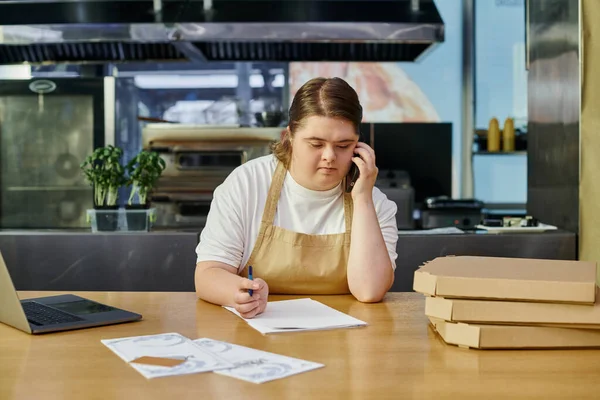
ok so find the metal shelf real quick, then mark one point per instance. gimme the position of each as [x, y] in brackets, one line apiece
[46, 188]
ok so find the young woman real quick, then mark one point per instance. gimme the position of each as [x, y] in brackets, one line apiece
[294, 216]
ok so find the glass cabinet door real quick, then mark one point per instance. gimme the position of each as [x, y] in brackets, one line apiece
[43, 140]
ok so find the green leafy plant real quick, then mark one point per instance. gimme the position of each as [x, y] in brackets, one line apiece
[144, 170]
[104, 172]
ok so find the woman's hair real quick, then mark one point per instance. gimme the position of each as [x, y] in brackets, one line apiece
[323, 97]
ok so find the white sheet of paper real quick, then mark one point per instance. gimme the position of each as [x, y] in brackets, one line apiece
[435, 231]
[170, 345]
[299, 315]
[253, 365]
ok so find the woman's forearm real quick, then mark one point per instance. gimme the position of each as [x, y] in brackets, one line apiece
[370, 272]
[216, 282]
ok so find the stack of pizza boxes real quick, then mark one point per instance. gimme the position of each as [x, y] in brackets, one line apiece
[511, 303]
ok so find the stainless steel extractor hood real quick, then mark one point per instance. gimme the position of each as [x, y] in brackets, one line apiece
[97, 31]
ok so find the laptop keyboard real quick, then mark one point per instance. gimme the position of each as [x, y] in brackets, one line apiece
[39, 314]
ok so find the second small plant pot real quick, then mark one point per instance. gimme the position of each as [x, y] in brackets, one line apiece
[107, 218]
[137, 221]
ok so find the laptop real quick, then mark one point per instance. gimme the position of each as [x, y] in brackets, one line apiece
[54, 313]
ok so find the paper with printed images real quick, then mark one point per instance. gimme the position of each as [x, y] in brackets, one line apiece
[253, 365]
[169, 345]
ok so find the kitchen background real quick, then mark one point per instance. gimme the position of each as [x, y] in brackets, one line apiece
[44, 138]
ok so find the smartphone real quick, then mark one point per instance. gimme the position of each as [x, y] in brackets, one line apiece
[352, 177]
[354, 172]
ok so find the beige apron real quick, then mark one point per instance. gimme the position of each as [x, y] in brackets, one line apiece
[298, 263]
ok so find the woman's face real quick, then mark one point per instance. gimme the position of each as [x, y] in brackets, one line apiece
[322, 151]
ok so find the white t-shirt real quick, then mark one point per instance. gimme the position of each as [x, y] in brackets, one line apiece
[238, 203]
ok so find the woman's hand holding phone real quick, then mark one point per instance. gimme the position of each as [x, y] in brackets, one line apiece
[364, 159]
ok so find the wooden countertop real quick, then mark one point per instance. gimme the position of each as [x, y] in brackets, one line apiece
[398, 356]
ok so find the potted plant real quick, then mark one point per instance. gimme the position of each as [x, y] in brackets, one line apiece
[144, 170]
[104, 172]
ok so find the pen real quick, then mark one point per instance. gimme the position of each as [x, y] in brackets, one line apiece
[250, 277]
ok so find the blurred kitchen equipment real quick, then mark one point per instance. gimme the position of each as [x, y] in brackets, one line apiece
[198, 159]
[509, 220]
[443, 211]
[66, 164]
[269, 118]
[226, 108]
[156, 120]
[423, 150]
[68, 210]
[42, 87]
[41, 185]
[395, 184]
[167, 31]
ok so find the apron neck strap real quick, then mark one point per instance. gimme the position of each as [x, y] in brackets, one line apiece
[275, 192]
[348, 211]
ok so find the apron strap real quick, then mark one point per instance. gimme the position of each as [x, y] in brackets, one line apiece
[274, 193]
[348, 211]
[269, 212]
